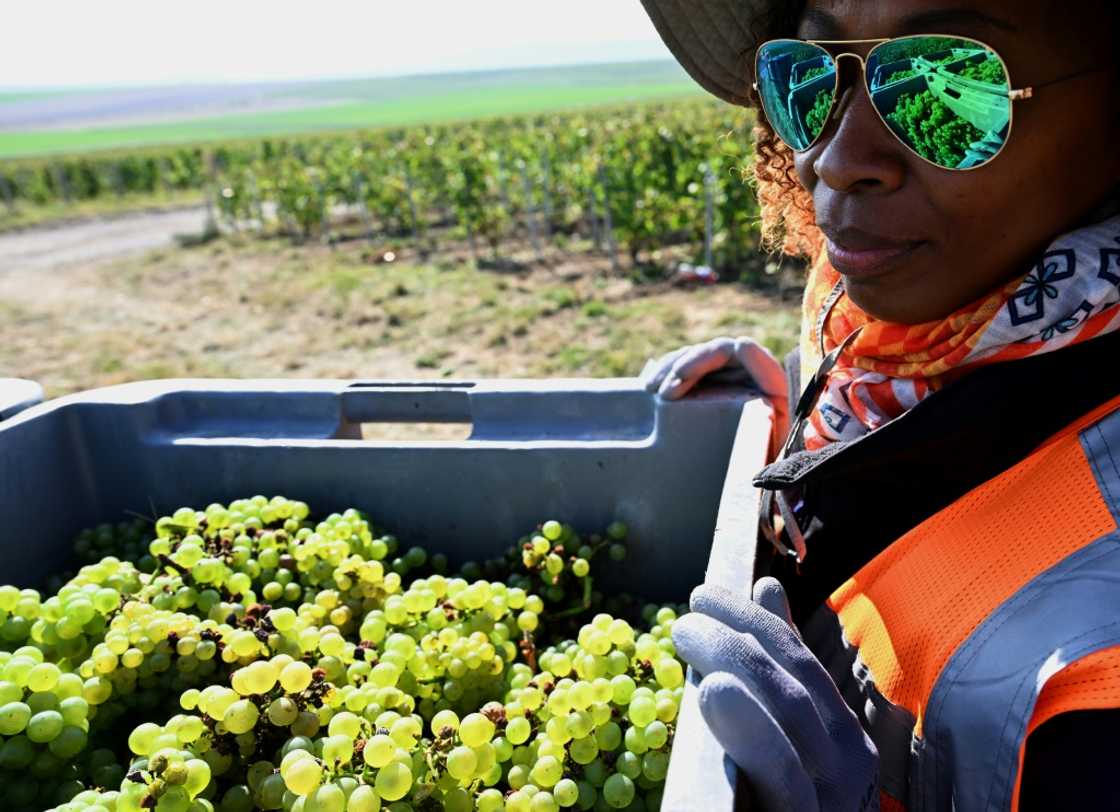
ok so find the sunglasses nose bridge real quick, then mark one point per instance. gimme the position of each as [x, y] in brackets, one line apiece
[844, 89]
[859, 59]
[837, 57]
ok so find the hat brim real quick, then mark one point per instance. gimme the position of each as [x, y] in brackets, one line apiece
[712, 40]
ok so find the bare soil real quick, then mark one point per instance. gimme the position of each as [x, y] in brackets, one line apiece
[251, 306]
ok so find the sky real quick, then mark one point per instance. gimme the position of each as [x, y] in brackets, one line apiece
[51, 43]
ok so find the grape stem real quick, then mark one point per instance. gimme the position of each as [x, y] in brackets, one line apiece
[583, 605]
[529, 650]
[179, 568]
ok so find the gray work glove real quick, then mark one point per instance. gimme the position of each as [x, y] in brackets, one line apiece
[728, 360]
[983, 150]
[773, 707]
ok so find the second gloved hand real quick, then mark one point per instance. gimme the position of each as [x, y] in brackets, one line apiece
[773, 707]
[728, 360]
[732, 360]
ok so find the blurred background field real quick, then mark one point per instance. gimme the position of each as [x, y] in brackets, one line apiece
[557, 220]
[34, 123]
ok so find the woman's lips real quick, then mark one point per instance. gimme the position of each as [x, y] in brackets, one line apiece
[869, 261]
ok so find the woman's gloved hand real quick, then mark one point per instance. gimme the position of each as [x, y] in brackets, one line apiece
[728, 360]
[983, 150]
[773, 707]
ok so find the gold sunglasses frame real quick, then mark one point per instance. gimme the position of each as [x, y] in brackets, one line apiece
[1013, 94]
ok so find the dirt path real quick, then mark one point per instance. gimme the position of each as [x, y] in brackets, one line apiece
[49, 247]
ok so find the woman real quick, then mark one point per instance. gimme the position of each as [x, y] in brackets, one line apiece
[943, 512]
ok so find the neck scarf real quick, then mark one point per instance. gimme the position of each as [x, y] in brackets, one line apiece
[1070, 294]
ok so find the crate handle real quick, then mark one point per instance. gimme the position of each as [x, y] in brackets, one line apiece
[407, 402]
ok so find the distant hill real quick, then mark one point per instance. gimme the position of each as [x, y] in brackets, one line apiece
[63, 120]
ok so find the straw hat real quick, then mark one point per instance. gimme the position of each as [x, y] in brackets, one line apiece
[710, 39]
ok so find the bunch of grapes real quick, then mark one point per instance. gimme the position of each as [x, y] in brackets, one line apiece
[252, 658]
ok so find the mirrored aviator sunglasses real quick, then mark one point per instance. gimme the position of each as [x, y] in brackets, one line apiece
[948, 99]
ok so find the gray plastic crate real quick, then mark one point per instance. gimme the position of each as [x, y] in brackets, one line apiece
[584, 450]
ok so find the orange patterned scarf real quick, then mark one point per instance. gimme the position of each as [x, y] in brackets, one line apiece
[1070, 294]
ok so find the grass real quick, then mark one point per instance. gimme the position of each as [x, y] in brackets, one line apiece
[428, 108]
[248, 307]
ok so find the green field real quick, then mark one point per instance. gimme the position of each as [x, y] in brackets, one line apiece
[355, 104]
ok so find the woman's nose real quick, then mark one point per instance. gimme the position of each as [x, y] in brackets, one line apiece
[857, 153]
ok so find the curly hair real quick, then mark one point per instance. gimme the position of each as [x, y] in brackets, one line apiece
[788, 219]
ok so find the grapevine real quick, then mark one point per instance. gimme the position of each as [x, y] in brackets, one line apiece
[484, 180]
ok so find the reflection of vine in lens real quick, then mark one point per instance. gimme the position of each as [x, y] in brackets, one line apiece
[932, 129]
[813, 73]
[818, 113]
[990, 70]
[911, 47]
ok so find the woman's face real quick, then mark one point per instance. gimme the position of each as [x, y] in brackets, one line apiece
[974, 230]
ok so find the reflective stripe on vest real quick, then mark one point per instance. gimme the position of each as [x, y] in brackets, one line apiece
[944, 643]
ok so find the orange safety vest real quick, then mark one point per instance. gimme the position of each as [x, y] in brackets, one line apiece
[995, 614]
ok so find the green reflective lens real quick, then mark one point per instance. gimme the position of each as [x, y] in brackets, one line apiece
[947, 99]
[797, 83]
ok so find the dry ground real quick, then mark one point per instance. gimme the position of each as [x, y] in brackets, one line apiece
[261, 307]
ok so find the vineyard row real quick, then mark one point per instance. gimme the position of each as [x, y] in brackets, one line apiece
[648, 175]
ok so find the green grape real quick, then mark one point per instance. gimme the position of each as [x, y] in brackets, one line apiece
[393, 781]
[566, 792]
[304, 776]
[74, 710]
[543, 802]
[378, 750]
[338, 749]
[596, 773]
[282, 711]
[462, 763]
[635, 740]
[14, 717]
[198, 776]
[624, 688]
[618, 791]
[642, 711]
[655, 765]
[585, 750]
[241, 716]
[67, 743]
[588, 796]
[609, 737]
[236, 799]
[295, 677]
[668, 672]
[518, 730]
[546, 772]
[489, 800]
[446, 718]
[667, 709]
[656, 734]
[476, 730]
[327, 798]
[364, 799]
[45, 726]
[629, 764]
[43, 677]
